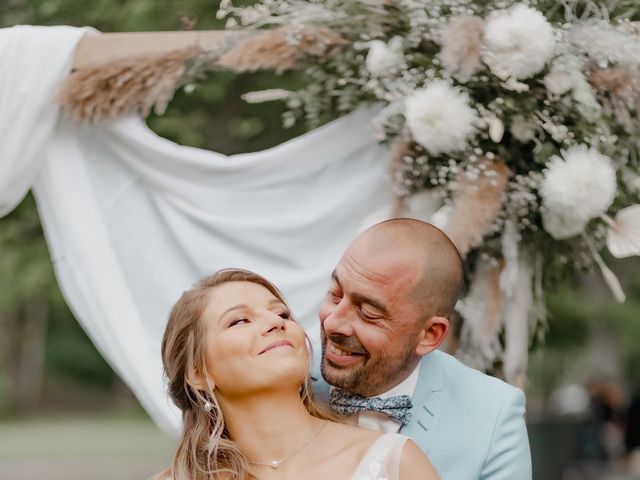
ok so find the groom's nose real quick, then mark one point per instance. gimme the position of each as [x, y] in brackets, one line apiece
[339, 321]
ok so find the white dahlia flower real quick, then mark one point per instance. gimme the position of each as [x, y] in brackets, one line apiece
[440, 118]
[558, 82]
[562, 226]
[565, 74]
[576, 188]
[519, 42]
[383, 57]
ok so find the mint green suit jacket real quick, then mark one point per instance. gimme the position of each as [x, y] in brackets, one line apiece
[470, 425]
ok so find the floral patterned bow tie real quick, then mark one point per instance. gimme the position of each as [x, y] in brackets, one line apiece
[345, 403]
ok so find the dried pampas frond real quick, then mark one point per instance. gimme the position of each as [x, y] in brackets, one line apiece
[399, 149]
[517, 315]
[482, 314]
[510, 253]
[615, 80]
[619, 82]
[462, 45]
[280, 49]
[476, 204]
[620, 89]
[124, 86]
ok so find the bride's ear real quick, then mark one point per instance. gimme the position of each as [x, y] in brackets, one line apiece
[199, 381]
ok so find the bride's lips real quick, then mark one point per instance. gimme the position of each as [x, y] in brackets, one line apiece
[279, 343]
[339, 357]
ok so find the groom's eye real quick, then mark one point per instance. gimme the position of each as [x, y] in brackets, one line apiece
[335, 297]
[285, 315]
[369, 315]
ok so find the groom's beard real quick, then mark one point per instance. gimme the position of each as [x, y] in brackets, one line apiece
[373, 375]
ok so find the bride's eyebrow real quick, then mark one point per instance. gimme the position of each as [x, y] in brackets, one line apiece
[231, 309]
[244, 305]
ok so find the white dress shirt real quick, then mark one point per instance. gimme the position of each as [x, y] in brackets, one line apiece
[379, 421]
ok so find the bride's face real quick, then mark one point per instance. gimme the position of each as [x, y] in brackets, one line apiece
[251, 341]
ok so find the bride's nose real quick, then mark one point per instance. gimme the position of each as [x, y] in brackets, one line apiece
[274, 322]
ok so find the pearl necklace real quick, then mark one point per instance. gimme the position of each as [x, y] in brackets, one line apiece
[276, 463]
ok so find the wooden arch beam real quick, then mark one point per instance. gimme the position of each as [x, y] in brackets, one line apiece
[96, 49]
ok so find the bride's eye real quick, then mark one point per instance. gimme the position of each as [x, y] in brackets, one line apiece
[238, 321]
[285, 315]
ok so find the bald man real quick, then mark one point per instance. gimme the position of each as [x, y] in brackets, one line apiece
[383, 318]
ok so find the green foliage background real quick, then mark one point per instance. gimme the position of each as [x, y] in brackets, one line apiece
[214, 117]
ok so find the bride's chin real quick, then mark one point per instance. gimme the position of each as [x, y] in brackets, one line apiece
[290, 377]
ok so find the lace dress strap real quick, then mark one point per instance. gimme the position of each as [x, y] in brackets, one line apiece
[382, 460]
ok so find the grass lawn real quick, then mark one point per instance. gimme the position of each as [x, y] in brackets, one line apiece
[75, 448]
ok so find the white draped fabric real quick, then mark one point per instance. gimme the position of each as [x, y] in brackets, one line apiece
[133, 219]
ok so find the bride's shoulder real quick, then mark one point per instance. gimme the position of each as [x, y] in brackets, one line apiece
[414, 464]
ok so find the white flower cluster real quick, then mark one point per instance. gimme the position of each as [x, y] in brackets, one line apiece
[384, 58]
[519, 42]
[548, 97]
[439, 118]
[577, 187]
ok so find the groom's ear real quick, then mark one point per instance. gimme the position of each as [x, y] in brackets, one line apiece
[432, 335]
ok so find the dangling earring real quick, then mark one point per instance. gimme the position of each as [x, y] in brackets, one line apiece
[207, 406]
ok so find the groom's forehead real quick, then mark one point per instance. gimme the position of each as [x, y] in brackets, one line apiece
[381, 265]
[377, 274]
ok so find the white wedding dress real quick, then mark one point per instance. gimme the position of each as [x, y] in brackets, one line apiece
[382, 460]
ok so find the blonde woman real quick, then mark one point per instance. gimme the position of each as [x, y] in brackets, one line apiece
[237, 365]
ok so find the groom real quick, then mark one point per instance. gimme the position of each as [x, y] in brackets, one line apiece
[382, 320]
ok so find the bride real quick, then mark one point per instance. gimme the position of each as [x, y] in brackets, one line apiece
[237, 365]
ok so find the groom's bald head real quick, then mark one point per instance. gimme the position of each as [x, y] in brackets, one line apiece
[417, 246]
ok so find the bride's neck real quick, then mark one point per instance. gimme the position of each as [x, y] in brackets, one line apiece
[270, 425]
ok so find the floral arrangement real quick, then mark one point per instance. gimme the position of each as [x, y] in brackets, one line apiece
[519, 119]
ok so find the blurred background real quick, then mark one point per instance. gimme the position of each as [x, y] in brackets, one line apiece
[65, 414]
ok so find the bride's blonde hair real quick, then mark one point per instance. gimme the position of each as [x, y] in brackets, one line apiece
[205, 450]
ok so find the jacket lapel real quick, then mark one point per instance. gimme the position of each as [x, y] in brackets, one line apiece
[428, 402]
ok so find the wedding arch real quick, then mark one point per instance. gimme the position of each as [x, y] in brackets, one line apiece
[518, 171]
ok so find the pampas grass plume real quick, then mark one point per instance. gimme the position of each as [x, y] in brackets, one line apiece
[279, 49]
[462, 45]
[476, 205]
[123, 86]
